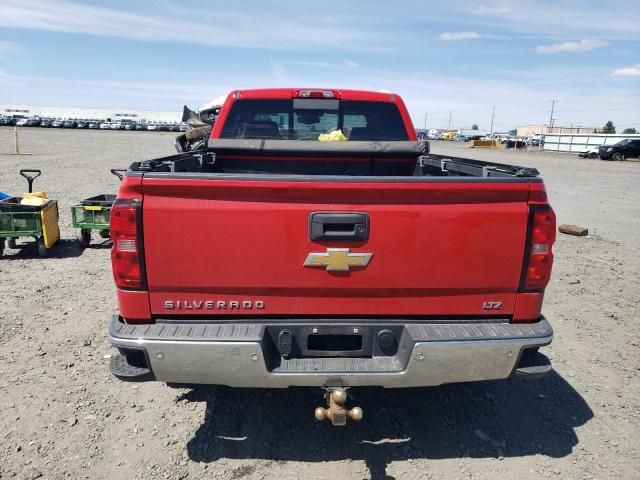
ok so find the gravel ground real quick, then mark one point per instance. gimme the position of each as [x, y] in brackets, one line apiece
[63, 416]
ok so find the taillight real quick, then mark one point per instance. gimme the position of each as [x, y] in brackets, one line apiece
[126, 253]
[538, 256]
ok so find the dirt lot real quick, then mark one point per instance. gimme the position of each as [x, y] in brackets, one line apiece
[63, 416]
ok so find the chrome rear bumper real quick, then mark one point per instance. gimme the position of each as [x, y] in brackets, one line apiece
[239, 355]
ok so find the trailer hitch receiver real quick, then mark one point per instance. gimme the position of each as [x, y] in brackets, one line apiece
[336, 411]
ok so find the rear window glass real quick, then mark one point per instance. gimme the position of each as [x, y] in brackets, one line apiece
[303, 119]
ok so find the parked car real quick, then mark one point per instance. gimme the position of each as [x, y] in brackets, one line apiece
[82, 124]
[173, 128]
[536, 140]
[22, 122]
[152, 127]
[129, 126]
[93, 125]
[46, 122]
[627, 148]
[69, 124]
[184, 127]
[116, 125]
[57, 123]
[141, 126]
[33, 122]
[591, 152]
[105, 126]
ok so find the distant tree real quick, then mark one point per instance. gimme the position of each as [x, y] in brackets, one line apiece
[474, 127]
[629, 130]
[609, 127]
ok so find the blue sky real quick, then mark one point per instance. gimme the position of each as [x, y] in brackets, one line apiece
[464, 57]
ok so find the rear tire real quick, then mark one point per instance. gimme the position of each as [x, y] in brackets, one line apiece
[593, 155]
[43, 251]
[104, 234]
[618, 156]
[11, 243]
[83, 237]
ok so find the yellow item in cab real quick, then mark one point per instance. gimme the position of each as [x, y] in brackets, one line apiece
[49, 219]
[335, 136]
[34, 199]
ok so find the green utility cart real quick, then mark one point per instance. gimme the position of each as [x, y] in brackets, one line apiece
[32, 215]
[93, 213]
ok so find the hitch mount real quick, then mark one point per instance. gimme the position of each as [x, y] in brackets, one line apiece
[336, 411]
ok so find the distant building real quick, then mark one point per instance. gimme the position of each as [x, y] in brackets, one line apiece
[72, 113]
[529, 130]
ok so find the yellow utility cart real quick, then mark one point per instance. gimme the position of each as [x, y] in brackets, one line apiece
[32, 215]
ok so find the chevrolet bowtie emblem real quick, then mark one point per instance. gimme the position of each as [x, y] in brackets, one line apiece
[338, 260]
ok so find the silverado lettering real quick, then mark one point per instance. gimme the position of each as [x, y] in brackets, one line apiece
[382, 263]
[212, 304]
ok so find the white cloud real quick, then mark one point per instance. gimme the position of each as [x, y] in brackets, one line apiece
[307, 63]
[112, 89]
[584, 45]
[455, 36]
[224, 27]
[633, 71]
[555, 19]
[320, 64]
[492, 10]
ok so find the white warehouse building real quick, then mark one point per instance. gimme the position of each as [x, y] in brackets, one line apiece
[73, 113]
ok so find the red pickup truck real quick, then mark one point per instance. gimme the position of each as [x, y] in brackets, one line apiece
[271, 259]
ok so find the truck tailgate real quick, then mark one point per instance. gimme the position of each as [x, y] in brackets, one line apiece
[225, 246]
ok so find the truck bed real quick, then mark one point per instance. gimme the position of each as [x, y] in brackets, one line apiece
[287, 157]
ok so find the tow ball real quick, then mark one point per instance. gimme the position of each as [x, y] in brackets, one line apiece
[336, 411]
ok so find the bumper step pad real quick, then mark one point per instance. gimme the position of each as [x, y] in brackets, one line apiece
[123, 370]
[532, 365]
[355, 365]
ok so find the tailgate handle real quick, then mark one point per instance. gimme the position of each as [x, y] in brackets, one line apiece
[338, 226]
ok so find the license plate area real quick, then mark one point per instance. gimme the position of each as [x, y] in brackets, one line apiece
[335, 341]
[309, 341]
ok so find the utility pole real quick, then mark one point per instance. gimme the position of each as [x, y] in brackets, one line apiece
[493, 113]
[449, 119]
[425, 120]
[553, 104]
